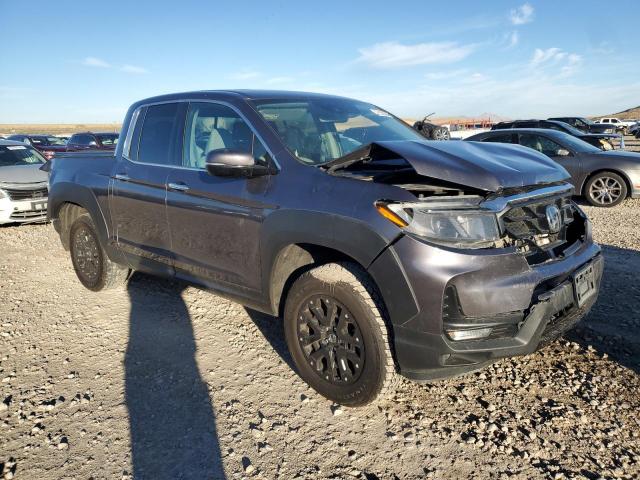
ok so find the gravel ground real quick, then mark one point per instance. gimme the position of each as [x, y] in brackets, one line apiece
[163, 380]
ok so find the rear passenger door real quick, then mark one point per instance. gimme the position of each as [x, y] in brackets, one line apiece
[139, 186]
[215, 221]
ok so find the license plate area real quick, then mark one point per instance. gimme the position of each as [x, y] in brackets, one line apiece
[584, 284]
[41, 205]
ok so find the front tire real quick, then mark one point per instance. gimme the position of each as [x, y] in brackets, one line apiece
[605, 189]
[337, 335]
[90, 261]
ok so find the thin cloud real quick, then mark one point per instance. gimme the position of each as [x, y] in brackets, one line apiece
[279, 80]
[95, 62]
[446, 75]
[568, 63]
[521, 15]
[246, 75]
[134, 69]
[395, 54]
[513, 39]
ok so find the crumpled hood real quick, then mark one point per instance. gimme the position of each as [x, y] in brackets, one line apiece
[17, 174]
[485, 166]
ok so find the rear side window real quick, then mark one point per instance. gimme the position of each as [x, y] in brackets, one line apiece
[159, 134]
[506, 138]
[526, 124]
[82, 139]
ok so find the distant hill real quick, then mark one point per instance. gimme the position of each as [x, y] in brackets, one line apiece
[630, 113]
[57, 129]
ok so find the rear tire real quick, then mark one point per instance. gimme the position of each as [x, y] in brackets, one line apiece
[90, 261]
[337, 335]
[605, 189]
[441, 133]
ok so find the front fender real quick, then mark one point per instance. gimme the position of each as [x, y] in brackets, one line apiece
[348, 236]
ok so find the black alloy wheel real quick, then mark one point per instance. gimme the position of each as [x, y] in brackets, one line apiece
[330, 338]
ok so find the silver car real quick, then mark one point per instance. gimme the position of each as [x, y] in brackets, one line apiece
[604, 178]
[23, 186]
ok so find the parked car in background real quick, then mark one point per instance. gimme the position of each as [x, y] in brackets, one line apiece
[378, 248]
[604, 178]
[635, 130]
[430, 130]
[23, 186]
[586, 125]
[620, 125]
[603, 141]
[48, 145]
[92, 141]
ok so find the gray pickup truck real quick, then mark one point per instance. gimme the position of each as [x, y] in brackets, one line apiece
[383, 253]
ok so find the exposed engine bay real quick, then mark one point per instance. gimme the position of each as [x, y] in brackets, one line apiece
[540, 221]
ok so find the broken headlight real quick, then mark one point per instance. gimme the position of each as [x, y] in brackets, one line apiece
[454, 221]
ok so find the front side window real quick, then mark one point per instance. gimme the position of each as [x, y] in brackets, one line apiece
[212, 126]
[19, 155]
[159, 134]
[320, 130]
[541, 144]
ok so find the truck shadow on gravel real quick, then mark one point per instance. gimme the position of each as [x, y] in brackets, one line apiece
[613, 325]
[172, 423]
[272, 329]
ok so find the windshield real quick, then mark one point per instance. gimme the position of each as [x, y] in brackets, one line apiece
[577, 145]
[11, 155]
[320, 130]
[108, 138]
[570, 128]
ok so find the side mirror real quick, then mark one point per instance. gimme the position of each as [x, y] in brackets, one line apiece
[563, 152]
[225, 162]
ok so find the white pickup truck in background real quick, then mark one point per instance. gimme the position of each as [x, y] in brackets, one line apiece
[621, 125]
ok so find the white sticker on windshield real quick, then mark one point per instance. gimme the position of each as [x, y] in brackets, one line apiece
[16, 147]
[380, 113]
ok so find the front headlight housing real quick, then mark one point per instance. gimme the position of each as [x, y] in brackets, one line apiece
[3, 194]
[451, 221]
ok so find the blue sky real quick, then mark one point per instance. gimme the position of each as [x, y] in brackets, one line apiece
[80, 61]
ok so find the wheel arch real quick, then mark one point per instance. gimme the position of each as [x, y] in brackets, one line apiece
[292, 261]
[592, 174]
[67, 202]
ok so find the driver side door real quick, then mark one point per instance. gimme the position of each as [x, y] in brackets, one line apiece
[215, 222]
[556, 152]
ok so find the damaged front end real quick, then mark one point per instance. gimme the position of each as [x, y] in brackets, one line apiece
[497, 207]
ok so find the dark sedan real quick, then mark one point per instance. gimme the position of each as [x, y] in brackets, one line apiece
[603, 141]
[605, 178]
[586, 125]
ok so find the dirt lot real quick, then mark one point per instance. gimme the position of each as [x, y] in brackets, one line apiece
[163, 380]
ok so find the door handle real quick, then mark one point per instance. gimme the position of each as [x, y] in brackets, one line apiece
[181, 187]
[122, 177]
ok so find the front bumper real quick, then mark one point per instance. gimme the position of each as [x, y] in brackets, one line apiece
[492, 287]
[634, 181]
[23, 211]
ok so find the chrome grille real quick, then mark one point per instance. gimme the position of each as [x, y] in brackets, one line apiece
[530, 219]
[26, 194]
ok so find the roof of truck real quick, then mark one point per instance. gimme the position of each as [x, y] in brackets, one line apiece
[245, 94]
